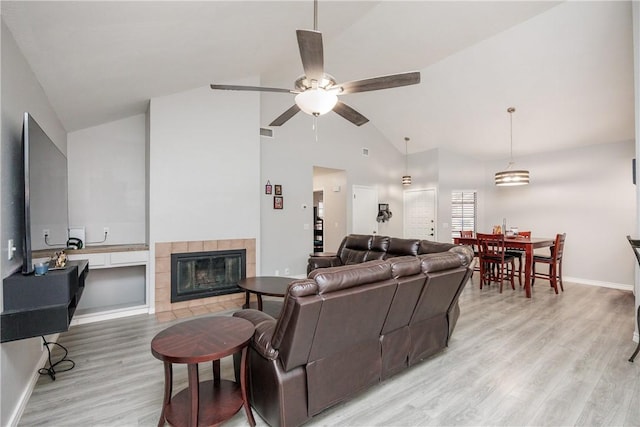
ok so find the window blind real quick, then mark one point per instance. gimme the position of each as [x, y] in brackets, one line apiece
[463, 212]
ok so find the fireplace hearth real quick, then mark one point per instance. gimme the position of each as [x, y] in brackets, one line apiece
[205, 274]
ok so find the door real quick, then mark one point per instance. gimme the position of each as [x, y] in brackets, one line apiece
[365, 210]
[420, 214]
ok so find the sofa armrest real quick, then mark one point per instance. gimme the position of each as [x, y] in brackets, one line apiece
[464, 252]
[322, 262]
[265, 325]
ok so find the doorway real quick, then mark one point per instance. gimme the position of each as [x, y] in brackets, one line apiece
[420, 214]
[318, 221]
[364, 210]
[329, 187]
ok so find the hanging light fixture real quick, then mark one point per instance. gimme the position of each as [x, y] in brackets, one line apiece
[509, 177]
[406, 179]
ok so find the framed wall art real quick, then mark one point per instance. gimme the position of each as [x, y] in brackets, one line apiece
[267, 188]
[278, 190]
[278, 202]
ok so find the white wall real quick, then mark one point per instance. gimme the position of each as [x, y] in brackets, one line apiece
[204, 168]
[21, 92]
[288, 159]
[587, 193]
[107, 181]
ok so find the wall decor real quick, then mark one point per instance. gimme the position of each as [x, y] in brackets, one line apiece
[278, 189]
[267, 188]
[384, 214]
[277, 202]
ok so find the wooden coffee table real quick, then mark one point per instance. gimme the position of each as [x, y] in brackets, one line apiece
[273, 286]
[208, 339]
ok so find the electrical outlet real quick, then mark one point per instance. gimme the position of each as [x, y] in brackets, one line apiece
[277, 272]
[106, 231]
[45, 232]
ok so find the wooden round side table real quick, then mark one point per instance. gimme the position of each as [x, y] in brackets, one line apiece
[207, 339]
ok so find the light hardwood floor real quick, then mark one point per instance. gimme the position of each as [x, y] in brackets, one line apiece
[552, 360]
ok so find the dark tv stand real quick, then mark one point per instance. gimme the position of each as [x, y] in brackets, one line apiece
[41, 305]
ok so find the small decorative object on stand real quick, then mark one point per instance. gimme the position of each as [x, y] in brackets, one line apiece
[267, 188]
[60, 259]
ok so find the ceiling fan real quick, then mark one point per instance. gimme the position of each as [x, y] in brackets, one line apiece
[316, 91]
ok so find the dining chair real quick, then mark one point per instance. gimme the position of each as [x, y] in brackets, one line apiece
[468, 234]
[494, 261]
[517, 254]
[554, 261]
[635, 245]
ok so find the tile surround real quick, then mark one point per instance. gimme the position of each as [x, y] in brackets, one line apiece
[165, 310]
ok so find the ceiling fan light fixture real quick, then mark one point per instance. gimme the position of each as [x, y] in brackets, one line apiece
[316, 102]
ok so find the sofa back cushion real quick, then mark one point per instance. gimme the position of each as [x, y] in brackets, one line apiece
[401, 247]
[355, 303]
[429, 247]
[354, 248]
[337, 278]
[408, 274]
[429, 324]
[295, 327]
[345, 354]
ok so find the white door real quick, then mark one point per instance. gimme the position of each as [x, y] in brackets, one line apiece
[365, 210]
[420, 214]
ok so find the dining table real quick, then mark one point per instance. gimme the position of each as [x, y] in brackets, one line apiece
[525, 244]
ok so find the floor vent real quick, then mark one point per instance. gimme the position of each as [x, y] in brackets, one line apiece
[266, 132]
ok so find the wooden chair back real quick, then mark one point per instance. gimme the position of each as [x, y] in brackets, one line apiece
[557, 249]
[467, 234]
[491, 246]
[526, 234]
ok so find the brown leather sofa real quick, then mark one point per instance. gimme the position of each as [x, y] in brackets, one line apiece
[346, 328]
[358, 248]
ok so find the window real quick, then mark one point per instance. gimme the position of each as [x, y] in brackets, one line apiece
[463, 211]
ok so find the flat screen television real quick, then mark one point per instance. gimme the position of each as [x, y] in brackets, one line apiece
[45, 193]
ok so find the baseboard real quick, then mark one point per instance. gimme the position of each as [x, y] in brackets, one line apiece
[26, 395]
[81, 319]
[621, 286]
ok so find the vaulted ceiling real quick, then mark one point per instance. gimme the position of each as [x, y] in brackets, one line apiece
[567, 67]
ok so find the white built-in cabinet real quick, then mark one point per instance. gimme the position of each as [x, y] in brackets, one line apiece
[117, 284]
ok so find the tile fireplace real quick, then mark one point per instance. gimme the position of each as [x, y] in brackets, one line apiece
[215, 303]
[205, 274]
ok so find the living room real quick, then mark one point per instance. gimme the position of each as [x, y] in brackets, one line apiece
[192, 167]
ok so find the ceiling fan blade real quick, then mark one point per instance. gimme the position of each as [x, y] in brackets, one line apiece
[382, 82]
[282, 118]
[350, 114]
[251, 88]
[310, 44]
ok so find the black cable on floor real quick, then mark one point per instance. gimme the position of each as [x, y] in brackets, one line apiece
[51, 369]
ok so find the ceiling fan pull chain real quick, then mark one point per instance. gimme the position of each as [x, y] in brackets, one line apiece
[315, 126]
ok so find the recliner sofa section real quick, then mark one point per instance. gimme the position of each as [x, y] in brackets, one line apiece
[359, 248]
[346, 328]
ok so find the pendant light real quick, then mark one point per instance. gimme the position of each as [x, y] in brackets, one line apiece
[509, 177]
[406, 179]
